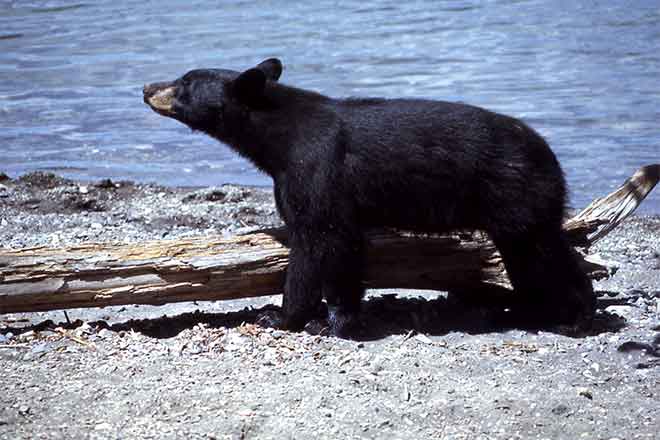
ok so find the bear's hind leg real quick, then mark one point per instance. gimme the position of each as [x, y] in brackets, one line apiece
[546, 274]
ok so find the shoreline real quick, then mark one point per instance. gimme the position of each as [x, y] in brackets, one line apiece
[44, 209]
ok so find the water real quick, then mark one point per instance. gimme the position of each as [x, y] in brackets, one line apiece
[586, 74]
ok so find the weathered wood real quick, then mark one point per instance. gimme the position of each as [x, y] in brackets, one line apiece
[602, 215]
[215, 268]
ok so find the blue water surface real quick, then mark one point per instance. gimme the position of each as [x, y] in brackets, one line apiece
[585, 74]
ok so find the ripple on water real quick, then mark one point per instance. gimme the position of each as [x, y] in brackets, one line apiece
[71, 76]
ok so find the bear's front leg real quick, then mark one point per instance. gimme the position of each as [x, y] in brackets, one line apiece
[326, 265]
[325, 262]
[302, 300]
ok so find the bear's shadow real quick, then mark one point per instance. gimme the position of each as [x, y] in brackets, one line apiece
[382, 316]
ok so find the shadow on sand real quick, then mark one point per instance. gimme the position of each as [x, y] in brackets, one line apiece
[382, 316]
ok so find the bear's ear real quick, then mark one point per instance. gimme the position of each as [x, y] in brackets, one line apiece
[272, 68]
[248, 87]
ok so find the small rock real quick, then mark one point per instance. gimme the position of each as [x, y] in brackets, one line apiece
[246, 412]
[41, 348]
[27, 336]
[622, 311]
[560, 410]
[629, 346]
[105, 333]
[84, 329]
[46, 333]
[103, 427]
[215, 195]
[423, 339]
[585, 392]
[24, 410]
[106, 184]
[636, 293]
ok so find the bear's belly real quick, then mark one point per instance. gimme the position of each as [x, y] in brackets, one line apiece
[423, 211]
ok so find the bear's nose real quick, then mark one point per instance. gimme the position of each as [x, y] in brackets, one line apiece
[149, 90]
[160, 97]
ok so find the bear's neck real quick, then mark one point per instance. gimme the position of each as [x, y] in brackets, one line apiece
[265, 136]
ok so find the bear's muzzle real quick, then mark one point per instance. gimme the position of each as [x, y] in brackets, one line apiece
[160, 97]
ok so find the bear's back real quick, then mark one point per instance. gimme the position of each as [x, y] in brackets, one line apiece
[447, 163]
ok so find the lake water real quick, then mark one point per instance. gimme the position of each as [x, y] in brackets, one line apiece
[585, 74]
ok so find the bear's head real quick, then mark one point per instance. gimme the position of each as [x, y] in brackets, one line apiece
[210, 99]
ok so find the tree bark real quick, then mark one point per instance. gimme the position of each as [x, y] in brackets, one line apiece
[215, 268]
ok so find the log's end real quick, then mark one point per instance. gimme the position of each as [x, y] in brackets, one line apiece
[604, 214]
[649, 172]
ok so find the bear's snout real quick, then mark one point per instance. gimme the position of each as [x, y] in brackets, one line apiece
[159, 96]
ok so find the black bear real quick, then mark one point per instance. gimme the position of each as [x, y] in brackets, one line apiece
[341, 166]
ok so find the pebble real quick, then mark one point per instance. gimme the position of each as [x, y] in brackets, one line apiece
[623, 311]
[42, 348]
[26, 336]
[560, 410]
[585, 392]
[423, 339]
[105, 333]
[636, 293]
[103, 427]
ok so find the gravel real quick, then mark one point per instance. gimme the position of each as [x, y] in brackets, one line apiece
[430, 369]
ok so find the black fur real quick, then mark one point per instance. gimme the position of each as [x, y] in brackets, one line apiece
[341, 166]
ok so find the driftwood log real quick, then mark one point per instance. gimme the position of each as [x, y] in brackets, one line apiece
[215, 268]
